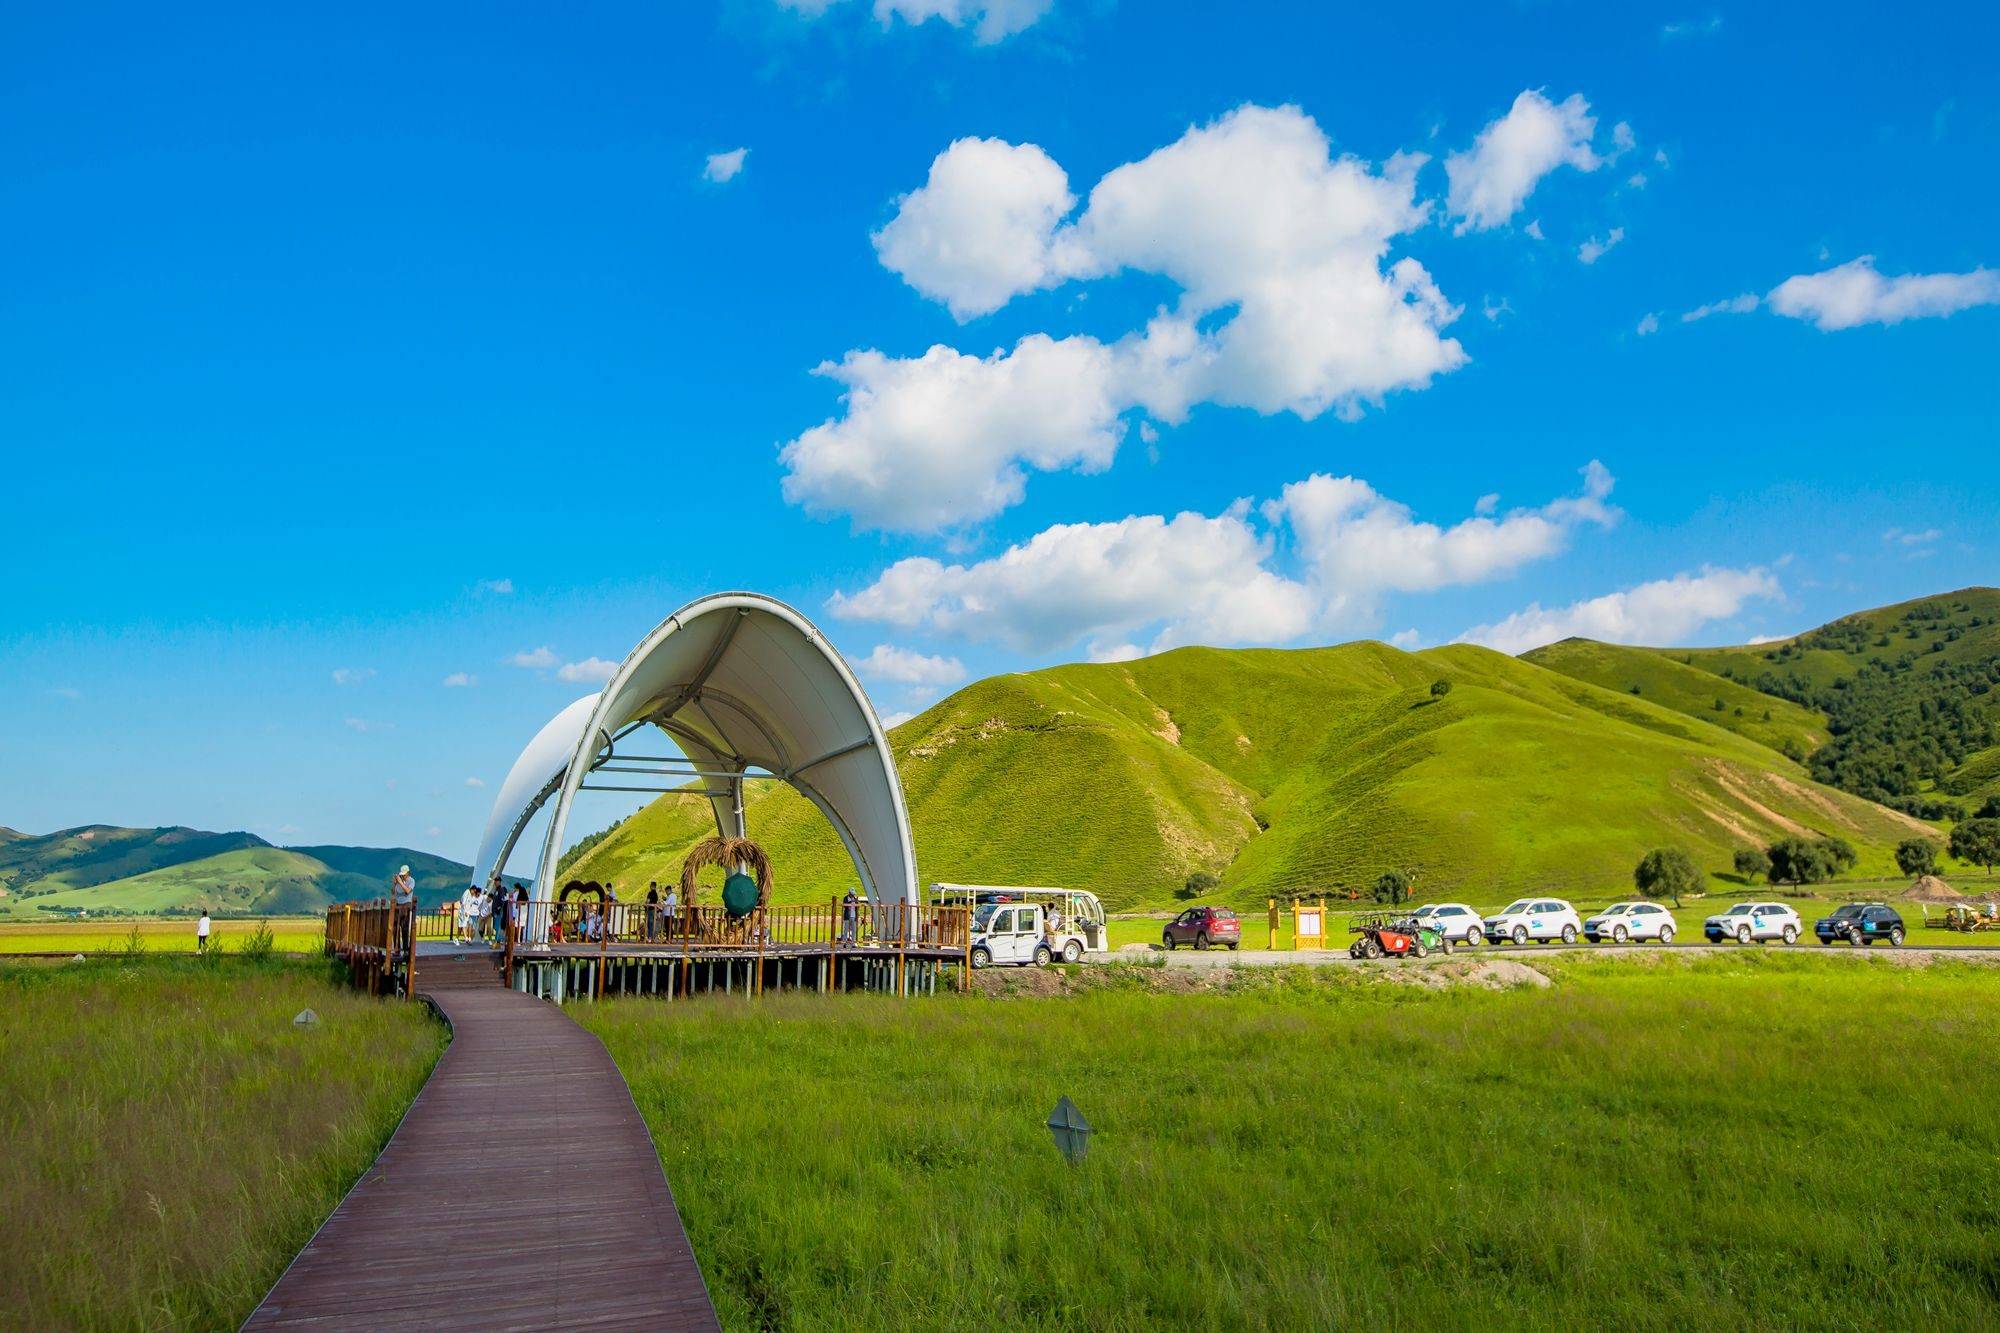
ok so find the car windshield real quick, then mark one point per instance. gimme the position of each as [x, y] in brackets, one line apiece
[1512, 908]
[1739, 910]
[1618, 910]
[1847, 912]
[983, 918]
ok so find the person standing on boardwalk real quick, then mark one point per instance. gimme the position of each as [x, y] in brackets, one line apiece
[850, 916]
[652, 911]
[673, 910]
[403, 896]
[468, 913]
[201, 933]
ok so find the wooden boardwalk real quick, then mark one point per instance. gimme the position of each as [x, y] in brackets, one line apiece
[520, 1192]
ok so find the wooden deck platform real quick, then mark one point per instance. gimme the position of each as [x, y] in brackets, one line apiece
[521, 1191]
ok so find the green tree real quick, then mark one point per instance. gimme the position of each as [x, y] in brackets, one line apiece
[1440, 688]
[1990, 810]
[1799, 861]
[1666, 872]
[1392, 887]
[1198, 883]
[1977, 841]
[1752, 862]
[1916, 856]
[1839, 854]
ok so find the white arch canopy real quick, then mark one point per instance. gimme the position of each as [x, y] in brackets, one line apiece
[747, 689]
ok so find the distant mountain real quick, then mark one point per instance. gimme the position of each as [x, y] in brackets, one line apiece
[1307, 770]
[104, 869]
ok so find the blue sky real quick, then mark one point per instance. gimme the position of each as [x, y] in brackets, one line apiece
[343, 355]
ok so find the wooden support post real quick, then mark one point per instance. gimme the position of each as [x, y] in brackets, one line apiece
[902, 947]
[757, 987]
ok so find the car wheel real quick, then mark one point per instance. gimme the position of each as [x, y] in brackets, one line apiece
[1569, 934]
[1618, 934]
[1167, 940]
[1896, 937]
[1666, 934]
[982, 956]
[1233, 947]
[1420, 949]
[1042, 955]
[1201, 940]
[1372, 949]
[1444, 944]
[1791, 934]
[1475, 937]
[1072, 952]
[1520, 934]
[1743, 934]
[1854, 939]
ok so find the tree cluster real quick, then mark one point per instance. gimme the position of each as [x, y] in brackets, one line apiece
[1802, 861]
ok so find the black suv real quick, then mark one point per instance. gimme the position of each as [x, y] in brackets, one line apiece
[1861, 923]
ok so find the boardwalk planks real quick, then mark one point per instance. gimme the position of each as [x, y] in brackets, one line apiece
[521, 1191]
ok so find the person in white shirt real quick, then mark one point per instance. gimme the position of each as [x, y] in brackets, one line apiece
[468, 914]
[201, 933]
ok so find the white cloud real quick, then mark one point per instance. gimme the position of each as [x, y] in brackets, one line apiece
[1203, 577]
[1900, 537]
[1649, 324]
[66, 692]
[364, 726]
[591, 671]
[1115, 652]
[535, 659]
[1193, 578]
[351, 675]
[722, 168]
[1358, 543]
[1486, 503]
[1408, 640]
[1593, 249]
[475, 782]
[496, 587]
[1855, 293]
[1758, 640]
[460, 680]
[991, 20]
[1491, 180]
[1534, 229]
[1251, 216]
[982, 228]
[890, 721]
[904, 666]
[1735, 305]
[1663, 612]
[1691, 28]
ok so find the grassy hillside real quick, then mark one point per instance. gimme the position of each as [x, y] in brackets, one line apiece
[1295, 771]
[1905, 698]
[101, 869]
[1648, 673]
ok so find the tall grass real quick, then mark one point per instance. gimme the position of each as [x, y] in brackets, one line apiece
[172, 1139]
[1742, 1141]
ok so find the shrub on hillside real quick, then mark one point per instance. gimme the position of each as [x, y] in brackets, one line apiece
[1916, 856]
[1752, 862]
[1198, 883]
[1667, 872]
[1440, 688]
[1392, 887]
[1803, 861]
[1977, 841]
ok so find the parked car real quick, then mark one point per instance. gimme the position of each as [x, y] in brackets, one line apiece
[1202, 927]
[1754, 921]
[1539, 919]
[1452, 921]
[1021, 933]
[1621, 922]
[1861, 923]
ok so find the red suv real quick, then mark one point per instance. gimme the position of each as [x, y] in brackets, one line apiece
[1203, 926]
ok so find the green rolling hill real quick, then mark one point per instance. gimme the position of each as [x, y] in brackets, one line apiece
[106, 870]
[1303, 770]
[1898, 704]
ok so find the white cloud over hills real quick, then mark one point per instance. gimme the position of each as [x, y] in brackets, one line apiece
[1856, 293]
[1215, 579]
[1664, 611]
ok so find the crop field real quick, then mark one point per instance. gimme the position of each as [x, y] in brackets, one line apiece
[289, 935]
[1755, 1140]
[172, 1139]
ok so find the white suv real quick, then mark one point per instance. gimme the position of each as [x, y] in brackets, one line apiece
[1454, 921]
[1754, 921]
[1631, 921]
[1533, 919]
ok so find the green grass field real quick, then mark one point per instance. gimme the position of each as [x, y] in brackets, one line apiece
[172, 1140]
[1752, 1141]
[289, 934]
